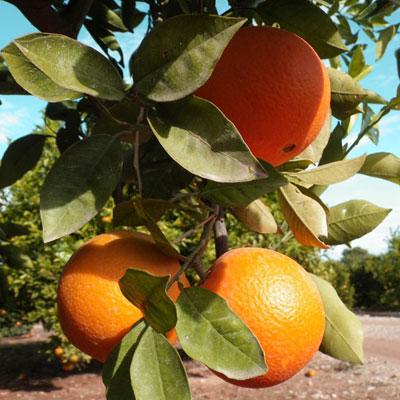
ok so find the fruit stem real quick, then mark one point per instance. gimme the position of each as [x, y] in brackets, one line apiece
[220, 233]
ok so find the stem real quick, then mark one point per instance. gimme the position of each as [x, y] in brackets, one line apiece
[186, 234]
[136, 156]
[220, 233]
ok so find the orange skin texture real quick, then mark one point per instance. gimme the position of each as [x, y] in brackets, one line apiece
[278, 301]
[93, 312]
[273, 86]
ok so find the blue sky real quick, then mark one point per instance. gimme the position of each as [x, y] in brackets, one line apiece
[19, 114]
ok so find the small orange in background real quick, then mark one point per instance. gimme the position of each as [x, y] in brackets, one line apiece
[93, 312]
[68, 367]
[18, 323]
[273, 86]
[311, 372]
[3, 312]
[58, 351]
[278, 301]
[73, 358]
[106, 220]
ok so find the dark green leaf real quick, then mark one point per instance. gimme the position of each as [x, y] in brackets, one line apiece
[305, 215]
[20, 157]
[382, 165]
[210, 332]
[79, 184]
[238, 194]
[198, 137]
[179, 54]
[148, 293]
[352, 220]
[126, 213]
[72, 65]
[257, 217]
[344, 335]
[63, 111]
[3, 287]
[8, 85]
[385, 36]
[306, 20]
[104, 15]
[31, 78]
[131, 16]
[157, 371]
[116, 369]
[15, 257]
[11, 229]
[347, 94]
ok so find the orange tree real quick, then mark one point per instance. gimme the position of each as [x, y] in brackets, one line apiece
[154, 146]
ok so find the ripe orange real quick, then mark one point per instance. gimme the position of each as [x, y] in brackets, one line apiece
[93, 312]
[58, 351]
[273, 86]
[278, 301]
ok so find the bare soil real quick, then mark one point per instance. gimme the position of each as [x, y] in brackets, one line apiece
[24, 376]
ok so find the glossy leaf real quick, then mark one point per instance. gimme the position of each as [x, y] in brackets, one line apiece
[382, 165]
[31, 78]
[116, 369]
[314, 150]
[333, 172]
[306, 20]
[357, 68]
[257, 217]
[237, 194]
[305, 215]
[102, 13]
[157, 371]
[347, 94]
[210, 332]
[179, 54]
[79, 184]
[72, 65]
[385, 36]
[148, 293]
[20, 157]
[127, 214]
[344, 335]
[198, 137]
[352, 220]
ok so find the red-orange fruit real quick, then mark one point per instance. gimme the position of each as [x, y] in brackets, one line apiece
[273, 86]
[278, 301]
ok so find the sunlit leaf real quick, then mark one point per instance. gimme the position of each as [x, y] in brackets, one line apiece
[179, 54]
[210, 332]
[353, 219]
[344, 335]
[198, 137]
[385, 36]
[382, 165]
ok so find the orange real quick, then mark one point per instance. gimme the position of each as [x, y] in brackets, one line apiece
[93, 312]
[58, 352]
[278, 301]
[273, 86]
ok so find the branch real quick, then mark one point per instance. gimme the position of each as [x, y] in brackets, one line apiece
[220, 234]
[45, 18]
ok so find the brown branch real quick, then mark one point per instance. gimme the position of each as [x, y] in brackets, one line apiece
[220, 234]
[45, 18]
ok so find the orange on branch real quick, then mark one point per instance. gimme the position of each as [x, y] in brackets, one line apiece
[93, 312]
[273, 86]
[278, 301]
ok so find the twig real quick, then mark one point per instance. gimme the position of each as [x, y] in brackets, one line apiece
[220, 233]
[190, 231]
[136, 156]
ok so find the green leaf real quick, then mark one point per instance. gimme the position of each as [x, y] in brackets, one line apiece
[385, 36]
[126, 213]
[199, 138]
[374, 98]
[116, 369]
[31, 78]
[357, 67]
[331, 173]
[369, 123]
[238, 194]
[15, 257]
[353, 219]
[210, 332]
[347, 94]
[73, 65]
[131, 16]
[307, 21]
[8, 85]
[179, 54]
[148, 293]
[314, 150]
[10, 229]
[382, 165]
[305, 214]
[344, 335]
[20, 157]
[104, 15]
[257, 217]
[79, 184]
[157, 371]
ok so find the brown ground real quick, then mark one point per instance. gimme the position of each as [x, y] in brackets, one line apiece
[378, 379]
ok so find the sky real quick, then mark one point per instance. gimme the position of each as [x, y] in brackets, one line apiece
[20, 114]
